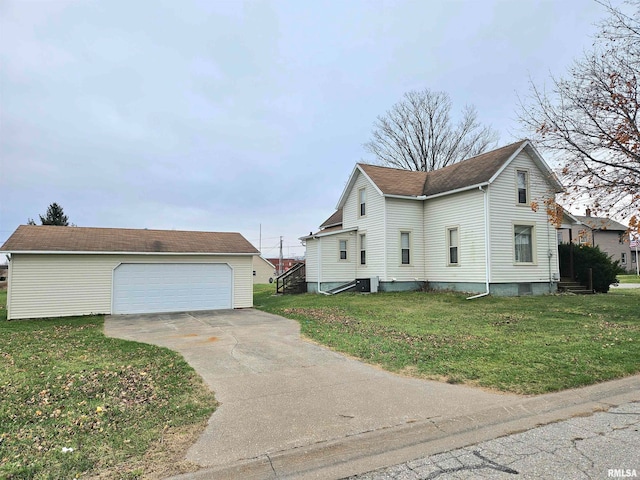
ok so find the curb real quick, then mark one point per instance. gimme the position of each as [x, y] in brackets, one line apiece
[369, 451]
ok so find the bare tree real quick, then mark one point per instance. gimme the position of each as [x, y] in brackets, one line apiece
[418, 133]
[589, 119]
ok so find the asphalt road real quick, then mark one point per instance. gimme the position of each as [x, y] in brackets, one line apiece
[600, 446]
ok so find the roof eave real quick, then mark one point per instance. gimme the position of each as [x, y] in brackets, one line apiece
[457, 190]
[351, 182]
[71, 252]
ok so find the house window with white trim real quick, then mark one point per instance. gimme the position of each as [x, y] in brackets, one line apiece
[523, 242]
[623, 258]
[453, 246]
[405, 248]
[363, 249]
[523, 187]
[343, 249]
[362, 199]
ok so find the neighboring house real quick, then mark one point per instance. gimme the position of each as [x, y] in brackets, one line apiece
[62, 271]
[4, 274]
[479, 225]
[263, 270]
[287, 263]
[610, 236]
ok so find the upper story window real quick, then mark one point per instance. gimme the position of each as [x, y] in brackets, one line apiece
[363, 249]
[343, 249]
[453, 245]
[362, 200]
[523, 187]
[405, 249]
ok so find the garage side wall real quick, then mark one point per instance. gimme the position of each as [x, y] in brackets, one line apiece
[60, 285]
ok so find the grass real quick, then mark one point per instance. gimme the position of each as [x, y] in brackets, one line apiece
[526, 345]
[628, 278]
[128, 410]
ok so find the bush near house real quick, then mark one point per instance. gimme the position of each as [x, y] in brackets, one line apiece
[585, 257]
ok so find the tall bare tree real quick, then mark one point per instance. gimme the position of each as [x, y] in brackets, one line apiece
[417, 133]
[589, 118]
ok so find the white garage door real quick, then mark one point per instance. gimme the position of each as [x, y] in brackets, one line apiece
[171, 287]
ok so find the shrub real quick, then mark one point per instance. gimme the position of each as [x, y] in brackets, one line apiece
[586, 257]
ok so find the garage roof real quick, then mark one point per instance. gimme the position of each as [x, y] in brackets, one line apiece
[46, 238]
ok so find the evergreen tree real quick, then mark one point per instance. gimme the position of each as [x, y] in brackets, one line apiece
[55, 216]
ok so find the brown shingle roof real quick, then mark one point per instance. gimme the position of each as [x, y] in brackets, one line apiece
[393, 181]
[600, 223]
[473, 171]
[82, 239]
[335, 219]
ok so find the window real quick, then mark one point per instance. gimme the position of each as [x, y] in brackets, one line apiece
[343, 249]
[362, 198]
[363, 249]
[560, 237]
[523, 236]
[405, 254]
[254, 273]
[523, 187]
[453, 245]
[623, 258]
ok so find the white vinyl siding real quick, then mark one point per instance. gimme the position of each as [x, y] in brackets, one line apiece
[405, 216]
[263, 269]
[467, 210]
[372, 225]
[333, 269]
[505, 213]
[58, 285]
[311, 259]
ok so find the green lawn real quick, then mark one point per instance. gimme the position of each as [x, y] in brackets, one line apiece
[127, 409]
[525, 345]
[628, 278]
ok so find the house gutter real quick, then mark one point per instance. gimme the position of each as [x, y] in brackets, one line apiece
[486, 243]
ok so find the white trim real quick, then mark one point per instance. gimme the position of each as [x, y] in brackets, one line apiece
[66, 252]
[318, 235]
[384, 239]
[405, 197]
[537, 159]
[457, 190]
[408, 231]
[351, 182]
[534, 242]
[448, 229]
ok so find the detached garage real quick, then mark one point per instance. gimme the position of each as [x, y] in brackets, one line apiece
[63, 271]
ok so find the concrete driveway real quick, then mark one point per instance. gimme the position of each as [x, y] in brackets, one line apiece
[290, 405]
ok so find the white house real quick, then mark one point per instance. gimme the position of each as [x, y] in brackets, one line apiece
[479, 226]
[63, 271]
[263, 270]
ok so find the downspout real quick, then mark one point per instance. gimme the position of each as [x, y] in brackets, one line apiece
[384, 238]
[487, 249]
[550, 255]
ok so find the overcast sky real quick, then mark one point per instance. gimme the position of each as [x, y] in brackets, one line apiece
[228, 115]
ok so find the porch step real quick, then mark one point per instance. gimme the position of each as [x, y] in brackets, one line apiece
[570, 286]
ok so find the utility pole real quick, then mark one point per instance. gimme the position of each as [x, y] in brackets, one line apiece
[280, 269]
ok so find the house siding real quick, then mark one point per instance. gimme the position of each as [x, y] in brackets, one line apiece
[264, 271]
[334, 269]
[466, 211]
[405, 216]
[505, 213]
[311, 257]
[372, 224]
[58, 285]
